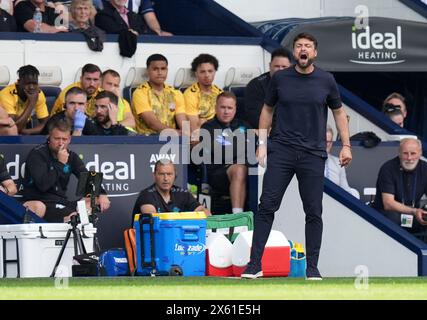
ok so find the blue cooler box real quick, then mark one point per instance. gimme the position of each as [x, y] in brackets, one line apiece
[179, 243]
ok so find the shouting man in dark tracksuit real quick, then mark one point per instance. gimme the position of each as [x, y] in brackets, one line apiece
[301, 95]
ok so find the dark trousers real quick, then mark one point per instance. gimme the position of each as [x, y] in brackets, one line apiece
[282, 163]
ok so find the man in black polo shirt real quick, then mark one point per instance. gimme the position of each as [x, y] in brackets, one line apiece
[163, 195]
[257, 88]
[402, 181]
[24, 12]
[225, 143]
[301, 95]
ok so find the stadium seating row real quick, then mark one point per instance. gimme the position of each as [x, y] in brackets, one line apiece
[50, 80]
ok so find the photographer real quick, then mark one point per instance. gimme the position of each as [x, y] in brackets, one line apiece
[47, 174]
[395, 102]
[402, 181]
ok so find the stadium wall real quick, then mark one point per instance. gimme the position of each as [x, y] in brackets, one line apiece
[279, 9]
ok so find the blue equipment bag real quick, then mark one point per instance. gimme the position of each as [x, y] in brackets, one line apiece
[114, 263]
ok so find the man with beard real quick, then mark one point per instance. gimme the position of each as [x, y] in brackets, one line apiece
[401, 183]
[24, 98]
[257, 88]
[105, 121]
[90, 82]
[74, 113]
[301, 95]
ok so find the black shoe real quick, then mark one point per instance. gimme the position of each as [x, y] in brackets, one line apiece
[313, 274]
[252, 272]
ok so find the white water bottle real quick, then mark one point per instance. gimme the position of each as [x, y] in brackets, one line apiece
[38, 20]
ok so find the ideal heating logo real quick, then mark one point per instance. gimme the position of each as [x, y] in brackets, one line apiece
[376, 47]
[117, 176]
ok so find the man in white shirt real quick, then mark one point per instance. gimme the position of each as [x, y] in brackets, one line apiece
[333, 170]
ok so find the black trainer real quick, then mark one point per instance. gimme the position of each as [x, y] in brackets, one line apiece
[252, 272]
[313, 274]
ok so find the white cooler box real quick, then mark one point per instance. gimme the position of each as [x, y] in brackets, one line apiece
[39, 245]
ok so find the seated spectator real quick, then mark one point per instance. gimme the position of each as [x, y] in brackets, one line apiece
[105, 119]
[24, 12]
[401, 183]
[82, 15]
[395, 114]
[256, 89]
[158, 106]
[163, 195]
[90, 82]
[225, 136]
[111, 82]
[115, 18]
[397, 101]
[48, 169]
[7, 22]
[200, 97]
[7, 124]
[23, 98]
[6, 183]
[146, 10]
[333, 169]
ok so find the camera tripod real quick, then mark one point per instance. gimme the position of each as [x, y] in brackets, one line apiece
[77, 239]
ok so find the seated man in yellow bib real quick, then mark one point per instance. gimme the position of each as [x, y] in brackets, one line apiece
[90, 82]
[23, 98]
[156, 105]
[200, 97]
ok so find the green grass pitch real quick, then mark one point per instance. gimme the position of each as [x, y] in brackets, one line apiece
[212, 288]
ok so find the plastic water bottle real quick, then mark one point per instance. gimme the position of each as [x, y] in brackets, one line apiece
[38, 20]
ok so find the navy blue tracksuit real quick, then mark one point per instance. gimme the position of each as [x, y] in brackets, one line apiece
[297, 146]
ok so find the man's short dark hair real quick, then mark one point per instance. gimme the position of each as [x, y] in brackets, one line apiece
[75, 90]
[226, 94]
[204, 58]
[156, 57]
[163, 162]
[62, 124]
[305, 35]
[28, 70]
[108, 94]
[113, 73]
[90, 68]
[281, 52]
